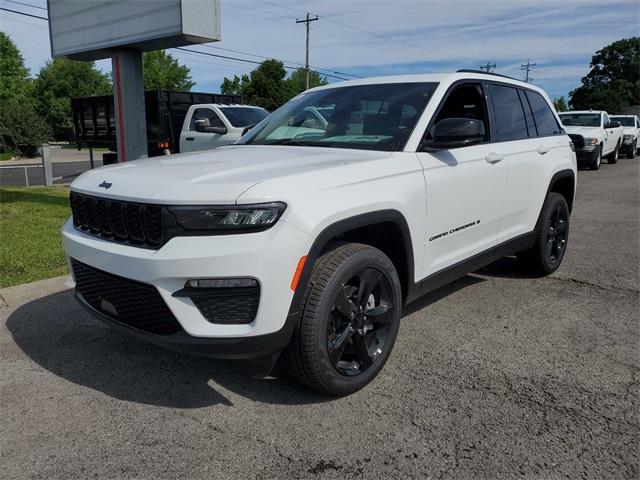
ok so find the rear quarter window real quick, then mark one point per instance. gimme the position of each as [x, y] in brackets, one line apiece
[544, 117]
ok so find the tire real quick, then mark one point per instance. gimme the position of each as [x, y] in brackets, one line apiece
[597, 161]
[632, 153]
[552, 236]
[613, 156]
[334, 337]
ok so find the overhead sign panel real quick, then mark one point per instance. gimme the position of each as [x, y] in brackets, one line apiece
[90, 29]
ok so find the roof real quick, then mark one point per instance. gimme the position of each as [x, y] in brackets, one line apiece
[431, 77]
[227, 105]
[583, 111]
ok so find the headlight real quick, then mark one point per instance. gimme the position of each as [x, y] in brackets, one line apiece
[228, 219]
[628, 136]
[591, 141]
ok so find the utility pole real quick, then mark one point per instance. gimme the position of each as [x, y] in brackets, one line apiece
[307, 21]
[488, 67]
[527, 68]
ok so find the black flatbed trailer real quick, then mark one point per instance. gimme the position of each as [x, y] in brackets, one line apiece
[94, 118]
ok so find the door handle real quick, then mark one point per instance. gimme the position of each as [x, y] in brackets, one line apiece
[494, 157]
[189, 138]
[542, 149]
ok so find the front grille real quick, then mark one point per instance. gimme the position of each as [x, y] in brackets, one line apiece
[228, 306]
[136, 224]
[132, 303]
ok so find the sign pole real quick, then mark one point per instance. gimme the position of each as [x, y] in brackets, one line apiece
[128, 94]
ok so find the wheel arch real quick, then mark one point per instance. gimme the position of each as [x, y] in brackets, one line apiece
[386, 230]
[564, 183]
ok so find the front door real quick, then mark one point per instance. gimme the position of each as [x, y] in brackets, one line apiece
[465, 187]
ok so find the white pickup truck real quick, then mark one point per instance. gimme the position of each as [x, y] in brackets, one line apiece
[211, 125]
[631, 141]
[602, 137]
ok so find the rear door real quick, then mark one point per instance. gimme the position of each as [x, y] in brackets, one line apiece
[465, 187]
[534, 144]
[191, 139]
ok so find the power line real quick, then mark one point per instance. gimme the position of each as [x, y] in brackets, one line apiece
[316, 68]
[307, 21]
[23, 13]
[255, 62]
[27, 5]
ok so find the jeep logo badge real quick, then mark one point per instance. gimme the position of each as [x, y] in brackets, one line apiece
[105, 185]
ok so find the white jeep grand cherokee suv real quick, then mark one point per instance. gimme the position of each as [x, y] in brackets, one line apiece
[309, 237]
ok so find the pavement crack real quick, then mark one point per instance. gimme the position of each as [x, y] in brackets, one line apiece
[609, 288]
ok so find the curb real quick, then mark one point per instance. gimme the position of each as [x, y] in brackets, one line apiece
[12, 297]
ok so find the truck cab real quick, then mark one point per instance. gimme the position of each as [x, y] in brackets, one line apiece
[211, 125]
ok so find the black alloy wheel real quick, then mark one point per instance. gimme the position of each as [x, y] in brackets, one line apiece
[359, 323]
[556, 241]
[552, 237]
[349, 321]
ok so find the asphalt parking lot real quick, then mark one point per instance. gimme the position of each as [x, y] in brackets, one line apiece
[495, 376]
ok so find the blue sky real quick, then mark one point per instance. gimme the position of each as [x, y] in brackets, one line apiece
[369, 38]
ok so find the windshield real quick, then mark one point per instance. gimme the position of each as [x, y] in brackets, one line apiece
[580, 119]
[244, 116]
[624, 121]
[372, 117]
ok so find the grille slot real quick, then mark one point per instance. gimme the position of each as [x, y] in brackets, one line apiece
[132, 223]
[132, 303]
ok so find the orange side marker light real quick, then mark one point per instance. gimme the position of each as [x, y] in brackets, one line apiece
[296, 275]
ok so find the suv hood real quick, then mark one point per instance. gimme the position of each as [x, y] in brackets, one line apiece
[629, 130]
[217, 176]
[584, 131]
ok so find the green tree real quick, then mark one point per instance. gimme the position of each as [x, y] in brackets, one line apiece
[22, 129]
[59, 81]
[297, 81]
[560, 104]
[233, 86]
[14, 76]
[613, 83]
[162, 71]
[266, 86]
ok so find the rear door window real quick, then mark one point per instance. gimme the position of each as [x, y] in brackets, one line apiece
[544, 117]
[509, 119]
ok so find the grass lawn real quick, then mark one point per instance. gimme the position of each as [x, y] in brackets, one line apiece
[5, 156]
[30, 245]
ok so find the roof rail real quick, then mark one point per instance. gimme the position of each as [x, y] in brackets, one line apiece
[471, 70]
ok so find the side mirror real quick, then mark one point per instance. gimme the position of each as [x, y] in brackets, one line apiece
[612, 125]
[220, 130]
[203, 125]
[458, 132]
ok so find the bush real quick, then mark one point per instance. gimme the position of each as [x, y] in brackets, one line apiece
[22, 130]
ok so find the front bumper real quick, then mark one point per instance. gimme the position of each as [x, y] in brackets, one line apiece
[627, 146]
[270, 257]
[586, 155]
